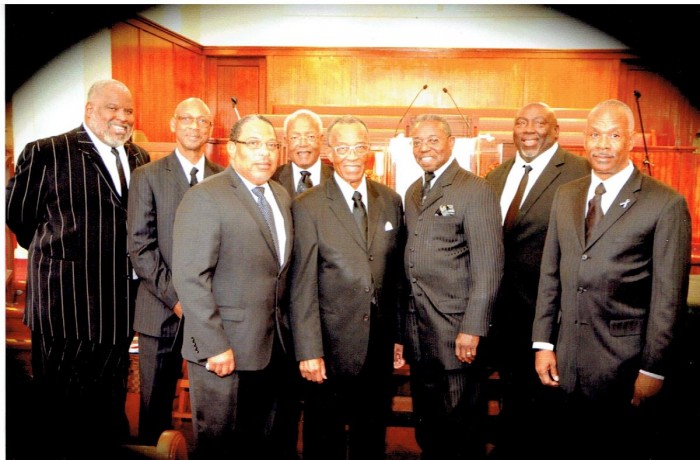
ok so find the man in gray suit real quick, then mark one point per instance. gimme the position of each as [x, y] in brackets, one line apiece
[155, 192]
[303, 133]
[453, 263]
[613, 285]
[67, 205]
[538, 169]
[344, 298]
[231, 249]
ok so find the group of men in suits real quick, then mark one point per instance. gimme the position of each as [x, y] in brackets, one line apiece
[316, 287]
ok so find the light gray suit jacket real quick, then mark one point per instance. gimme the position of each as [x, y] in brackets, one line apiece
[611, 305]
[453, 262]
[154, 195]
[227, 273]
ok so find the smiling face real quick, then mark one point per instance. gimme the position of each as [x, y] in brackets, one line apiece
[109, 113]
[535, 130]
[304, 140]
[350, 147]
[432, 145]
[609, 139]
[192, 126]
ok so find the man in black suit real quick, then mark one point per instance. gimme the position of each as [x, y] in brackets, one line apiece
[303, 133]
[155, 192]
[541, 166]
[612, 291]
[344, 297]
[453, 263]
[67, 205]
[232, 242]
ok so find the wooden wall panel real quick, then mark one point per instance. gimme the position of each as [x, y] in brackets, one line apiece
[157, 53]
[126, 62]
[313, 80]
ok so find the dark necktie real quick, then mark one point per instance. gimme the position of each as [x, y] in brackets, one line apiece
[304, 182]
[122, 177]
[595, 210]
[360, 214]
[517, 199]
[193, 176]
[266, 211]
[429, 175]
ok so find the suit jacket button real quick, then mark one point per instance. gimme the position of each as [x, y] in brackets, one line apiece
[584, 257]
[371, 257]
[413, 280]
[365, 317]
[366, 289]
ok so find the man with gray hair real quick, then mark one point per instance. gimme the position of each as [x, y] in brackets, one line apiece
[67, 205]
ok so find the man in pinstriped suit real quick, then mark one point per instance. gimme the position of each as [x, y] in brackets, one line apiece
[66, 205]
[155, 193]
[453, 262]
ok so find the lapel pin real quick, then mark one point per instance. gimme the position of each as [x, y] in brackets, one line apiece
[625, 203]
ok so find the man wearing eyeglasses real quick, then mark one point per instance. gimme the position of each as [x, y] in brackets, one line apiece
[453, 264]
[231, 250]
[156, 191]
[303, 134]
[346, 283]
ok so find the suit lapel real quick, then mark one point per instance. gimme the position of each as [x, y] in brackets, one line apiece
[436, 190]
[549, 174]
[93, 158]
[620, 205]
[251, 206]
[284, 205]
[340, 209]
[175, 174]
[376, 208]
[499, 178]
[579, 211]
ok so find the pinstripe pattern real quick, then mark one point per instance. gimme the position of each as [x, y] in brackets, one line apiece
[63, 208]
[454, 262]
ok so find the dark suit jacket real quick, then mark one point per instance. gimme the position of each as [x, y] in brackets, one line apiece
[336, 276]
[63, 207]
[611, 306]
[453, 261]
[154, 194]
[523, 243]
[284, 175]
[227, 273]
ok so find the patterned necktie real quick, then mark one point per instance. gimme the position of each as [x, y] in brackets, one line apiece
[122, 177]
[595, 210]
[193, 176]
[360, 214]
[304, 182]
[266, 211]
[429, 176]
[514, 207]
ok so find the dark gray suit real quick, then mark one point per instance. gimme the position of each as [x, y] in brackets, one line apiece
[611, 306]
[344, 301]
[509, 344]
[64, 208]
[233, 294]
[154, 195]
[453, 262]
[284, 175]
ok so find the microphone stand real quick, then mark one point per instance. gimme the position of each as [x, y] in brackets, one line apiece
[646, 162]
[234, 101]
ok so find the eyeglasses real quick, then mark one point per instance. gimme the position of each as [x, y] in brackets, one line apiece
[359, 149]
[431, 142]
[255, 144]
[188, 119]
[311, 138]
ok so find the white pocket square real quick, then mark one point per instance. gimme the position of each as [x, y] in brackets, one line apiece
[388, 226]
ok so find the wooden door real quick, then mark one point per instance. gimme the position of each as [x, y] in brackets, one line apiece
[242, 78]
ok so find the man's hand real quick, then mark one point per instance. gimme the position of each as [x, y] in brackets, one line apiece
[546, 367]
[645, 387]
[313, 370]
[222, 364]
[465, 347]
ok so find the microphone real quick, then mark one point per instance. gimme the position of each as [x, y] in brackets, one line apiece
[646, 161]
[234, 102]
[409, 108]
[466, 122]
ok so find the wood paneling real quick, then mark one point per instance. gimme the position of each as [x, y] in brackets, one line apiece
[243, 78]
